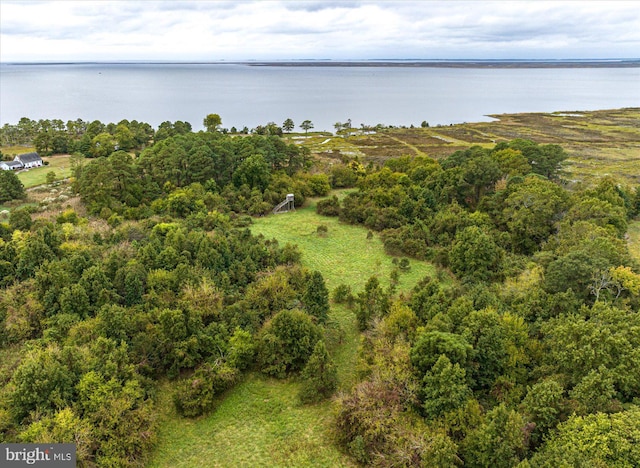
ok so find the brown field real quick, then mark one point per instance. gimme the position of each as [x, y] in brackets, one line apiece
[599, 143]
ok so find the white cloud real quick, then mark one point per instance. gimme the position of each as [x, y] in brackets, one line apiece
[212, 30]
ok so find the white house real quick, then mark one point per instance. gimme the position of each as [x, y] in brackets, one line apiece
[29, 160]
[10, 165]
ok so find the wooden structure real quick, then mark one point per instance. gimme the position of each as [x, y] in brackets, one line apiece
[287, 205]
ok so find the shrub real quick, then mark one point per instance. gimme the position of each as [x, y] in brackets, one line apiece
[329, 206]
[342, 294]
[286, 342]
[196, 396]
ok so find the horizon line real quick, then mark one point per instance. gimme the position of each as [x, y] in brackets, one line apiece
[339, 62]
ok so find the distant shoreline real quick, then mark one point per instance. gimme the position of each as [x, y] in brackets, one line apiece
[605, 63]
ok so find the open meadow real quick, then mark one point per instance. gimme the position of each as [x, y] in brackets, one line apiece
[259, 422]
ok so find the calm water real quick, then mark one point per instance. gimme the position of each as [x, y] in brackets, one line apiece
[249, 95]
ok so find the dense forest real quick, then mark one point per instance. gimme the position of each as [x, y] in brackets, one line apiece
[523, 350]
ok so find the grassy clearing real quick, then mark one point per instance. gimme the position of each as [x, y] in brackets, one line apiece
[16, 150]
[59, 164]
[345, 255]
[634, 239]
[259, 422]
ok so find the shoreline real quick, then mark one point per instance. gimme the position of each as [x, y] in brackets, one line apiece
[499, 64]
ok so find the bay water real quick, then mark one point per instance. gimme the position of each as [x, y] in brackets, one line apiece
[246, 95]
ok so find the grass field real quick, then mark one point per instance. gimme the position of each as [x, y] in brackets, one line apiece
[16, 150]
[59, 164]
[259, 422]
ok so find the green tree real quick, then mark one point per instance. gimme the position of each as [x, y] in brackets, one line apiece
[286, 342]
[124, 137]
[10, 187]
[511, 162]
[600, 336]
[485, 332]
[306, 125]
[288, 125]
[545, 160]
[74, 300]
[51, 177]
[544, 405]
[212, 122]
[320, 376]
[41, 383]
[20, 219]
[444, 388]
[196, 396]
[480, 173]
[120, 416]
[499, 442]
[599, 212]
[102, 145]
[316, 297]
[431, 345]
[531, 212]
[594, 440]
[242, 349]
[475, 256]
[595, 392]
[372, 303]
[254, 172]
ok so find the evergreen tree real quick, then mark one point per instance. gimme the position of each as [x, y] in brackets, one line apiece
[316, 297]
[10, 187]
[320, 376]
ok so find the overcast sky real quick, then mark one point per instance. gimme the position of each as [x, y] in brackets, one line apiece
[268, 30]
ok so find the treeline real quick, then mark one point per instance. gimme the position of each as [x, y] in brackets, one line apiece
[91, 139]
[95, 139]
[196, 174]
[524, 353]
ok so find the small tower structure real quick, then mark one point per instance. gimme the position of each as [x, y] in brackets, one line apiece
[287, 205]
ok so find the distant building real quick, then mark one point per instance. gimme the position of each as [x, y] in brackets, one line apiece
[11, 165]
[29, 160]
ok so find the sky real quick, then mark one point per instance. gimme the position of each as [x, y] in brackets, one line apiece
[202, 30]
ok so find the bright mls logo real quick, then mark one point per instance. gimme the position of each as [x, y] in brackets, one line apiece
[38, 455]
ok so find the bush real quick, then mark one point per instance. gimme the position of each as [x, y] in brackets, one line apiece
[196, 396]
[342, 293]
[286, 342]
[329, 207]
[241, 349]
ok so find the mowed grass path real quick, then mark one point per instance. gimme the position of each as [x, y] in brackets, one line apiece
[260, 422]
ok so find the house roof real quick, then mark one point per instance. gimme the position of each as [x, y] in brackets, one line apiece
[28, 157]
[12, 163]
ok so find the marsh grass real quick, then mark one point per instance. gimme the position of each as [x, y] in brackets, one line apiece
[598, 143]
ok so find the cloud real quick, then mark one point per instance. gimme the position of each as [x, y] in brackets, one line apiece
[240, 30]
